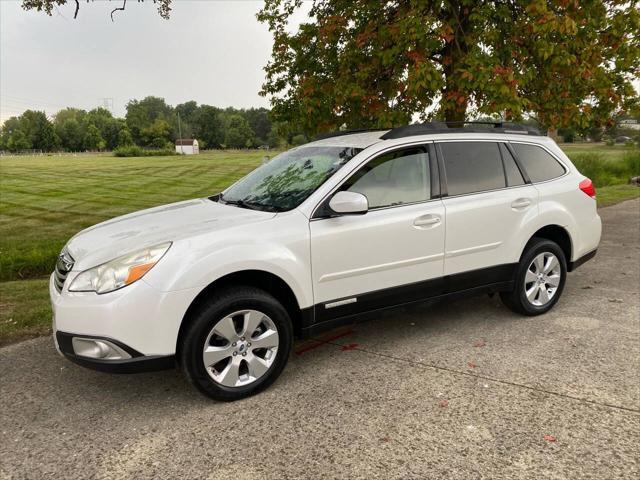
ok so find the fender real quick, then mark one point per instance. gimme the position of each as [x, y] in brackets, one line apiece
[198, 268]
[551, 213]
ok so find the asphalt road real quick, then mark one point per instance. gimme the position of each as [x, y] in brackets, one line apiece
[462, 390]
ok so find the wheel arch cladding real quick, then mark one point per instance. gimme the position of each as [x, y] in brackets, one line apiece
[556, 234]
[270, 283]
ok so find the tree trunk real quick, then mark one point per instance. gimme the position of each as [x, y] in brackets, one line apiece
[454, 109]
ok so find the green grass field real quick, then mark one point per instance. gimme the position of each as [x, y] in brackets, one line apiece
[45, 200]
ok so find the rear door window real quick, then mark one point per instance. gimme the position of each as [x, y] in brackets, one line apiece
[472, 167]
[537, 162]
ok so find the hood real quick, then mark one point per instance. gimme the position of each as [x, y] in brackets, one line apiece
[108, 240]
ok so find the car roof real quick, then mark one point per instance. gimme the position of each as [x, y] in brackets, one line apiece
[354, 140]
[366, 139]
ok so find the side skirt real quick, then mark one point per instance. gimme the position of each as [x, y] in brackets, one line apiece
[346, 310]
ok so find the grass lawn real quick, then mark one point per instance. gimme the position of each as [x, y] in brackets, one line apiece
[45, 200]
[24, 310]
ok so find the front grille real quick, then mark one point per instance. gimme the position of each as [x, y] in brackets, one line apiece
[63, 267]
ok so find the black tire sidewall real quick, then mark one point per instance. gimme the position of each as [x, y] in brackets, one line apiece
[538, 246]
[204, 320]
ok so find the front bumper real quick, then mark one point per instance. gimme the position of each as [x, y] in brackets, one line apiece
[141, 319]
[136, 364]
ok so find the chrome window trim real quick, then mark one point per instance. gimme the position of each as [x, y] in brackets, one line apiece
[485, 191]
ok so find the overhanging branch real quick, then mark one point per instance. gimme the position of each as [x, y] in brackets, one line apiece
[124, 5]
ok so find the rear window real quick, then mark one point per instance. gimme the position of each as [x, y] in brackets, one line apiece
[472, 167]
[537, 162]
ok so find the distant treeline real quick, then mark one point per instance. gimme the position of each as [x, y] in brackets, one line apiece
[149, 123]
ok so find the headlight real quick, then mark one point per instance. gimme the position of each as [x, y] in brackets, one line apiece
[119, 272]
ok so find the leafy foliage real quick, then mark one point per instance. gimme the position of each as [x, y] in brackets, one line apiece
[361, 63]
[149, 123]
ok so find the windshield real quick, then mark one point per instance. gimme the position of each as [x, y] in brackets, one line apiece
[287, 180]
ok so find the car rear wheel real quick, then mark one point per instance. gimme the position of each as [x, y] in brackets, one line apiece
[539, 280]
[237, 344]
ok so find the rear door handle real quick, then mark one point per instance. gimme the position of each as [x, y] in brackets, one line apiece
[521, 203]
[427, 220]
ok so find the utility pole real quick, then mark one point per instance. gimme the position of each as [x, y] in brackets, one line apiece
[180, 136]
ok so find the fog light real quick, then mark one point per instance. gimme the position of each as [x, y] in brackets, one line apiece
[99, 349]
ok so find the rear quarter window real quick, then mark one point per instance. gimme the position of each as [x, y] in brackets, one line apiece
[539, 164]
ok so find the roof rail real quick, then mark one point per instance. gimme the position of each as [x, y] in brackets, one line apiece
[459, 127]
[340, 133]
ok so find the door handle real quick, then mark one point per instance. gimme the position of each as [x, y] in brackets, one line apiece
[426, 220]
[521, 203]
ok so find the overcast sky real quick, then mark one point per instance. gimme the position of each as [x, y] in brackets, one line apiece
[210, 51]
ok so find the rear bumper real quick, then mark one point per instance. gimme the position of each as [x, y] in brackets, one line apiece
[136, 364]
[585, 258]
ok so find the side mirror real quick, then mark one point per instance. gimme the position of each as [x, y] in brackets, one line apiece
[349, 203]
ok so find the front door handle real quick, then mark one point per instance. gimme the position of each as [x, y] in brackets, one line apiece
[427, 220]
[521, 203]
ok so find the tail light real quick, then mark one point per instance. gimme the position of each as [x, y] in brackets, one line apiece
[588, 187]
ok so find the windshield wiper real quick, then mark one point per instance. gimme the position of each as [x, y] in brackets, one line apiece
[238, 203]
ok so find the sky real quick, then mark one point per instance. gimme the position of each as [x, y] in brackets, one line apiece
[210, 51]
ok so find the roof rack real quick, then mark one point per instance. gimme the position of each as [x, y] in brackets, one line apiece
[459, 127]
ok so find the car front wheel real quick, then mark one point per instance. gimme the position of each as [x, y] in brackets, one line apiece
[540, 278]
[237, 344]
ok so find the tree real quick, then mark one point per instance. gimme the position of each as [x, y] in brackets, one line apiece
[157, 135]
[298, 140]
[92, 139]
[38, 130]
[141, 114]
[238, 132]
[18, 141]
[258, 119]
[124, 137]
[378, 64]
[209, 126]
[108, 126]
[30, 130]
[47, 6]
[69, 125]
[71, 134]
[188, 113]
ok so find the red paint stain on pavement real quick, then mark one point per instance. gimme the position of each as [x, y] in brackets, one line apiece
[471, 365]
[444, 403]
[349, 346]
[315, 343]
[550, 438]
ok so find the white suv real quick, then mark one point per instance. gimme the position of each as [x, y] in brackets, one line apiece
[352, 223]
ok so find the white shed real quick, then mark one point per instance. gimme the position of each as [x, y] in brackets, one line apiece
[187, 146]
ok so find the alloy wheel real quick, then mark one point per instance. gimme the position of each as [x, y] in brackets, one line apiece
[542, 279]
[240, 348]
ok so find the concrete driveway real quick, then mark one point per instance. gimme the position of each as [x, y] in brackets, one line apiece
[463, 390]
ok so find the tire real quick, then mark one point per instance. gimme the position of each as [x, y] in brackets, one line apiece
[236, 368]
[524, 298]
